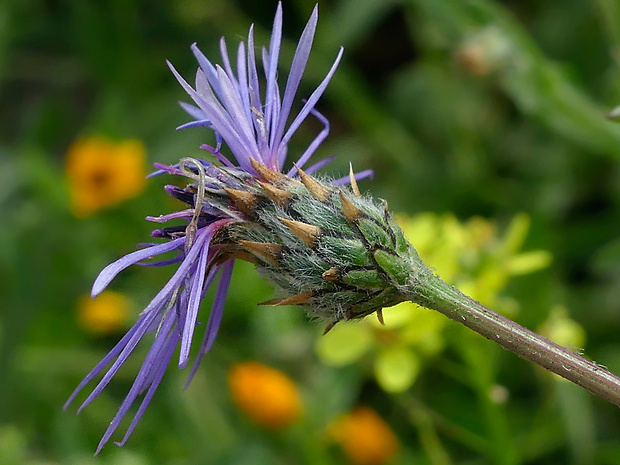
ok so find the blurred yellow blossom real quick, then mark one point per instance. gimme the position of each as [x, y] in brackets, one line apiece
[470, 255]
[103, 173]
[105, 314]
[265, 394]
[563, 330]
[365, 437]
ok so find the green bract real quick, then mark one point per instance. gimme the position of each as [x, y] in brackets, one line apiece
[338, 253]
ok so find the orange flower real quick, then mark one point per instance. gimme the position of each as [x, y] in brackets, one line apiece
[104, 173]
[104, 315]
[266, 395]
[365, 437]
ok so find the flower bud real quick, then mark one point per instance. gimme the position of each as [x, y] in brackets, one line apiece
[339, 254]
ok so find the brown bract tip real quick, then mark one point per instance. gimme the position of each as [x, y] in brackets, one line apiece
[297, 299]
[265, 173]
[354, 186]
[306, 232]
[278, 196]
[331, 275]
[351, 212]
[265, 251]
[246, 202]
[318, 190]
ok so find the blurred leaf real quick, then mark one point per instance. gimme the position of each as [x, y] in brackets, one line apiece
[539, 87]
[344, 344]
[396, 368]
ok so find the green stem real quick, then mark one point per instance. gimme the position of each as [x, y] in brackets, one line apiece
[431, 292]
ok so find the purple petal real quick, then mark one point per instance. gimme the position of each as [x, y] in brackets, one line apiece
[300, 59]
[110, 271]
[161, 365]
[215, 317]
[162, 262]
[183, 214]
[221, 158]
[320, 164]
[122, 357]
[195, 124]
[271, 63]
[318, 140]
[311, 102]
[160, 339]
[193, 303]
[192, 111]
[204, 235]
[233, 103]
[361, 175]
[254, 91]
[206, 67]
[243, 81]
[226, 63]
[137, 327]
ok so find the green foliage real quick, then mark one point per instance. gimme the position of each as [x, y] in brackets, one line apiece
[480, 108]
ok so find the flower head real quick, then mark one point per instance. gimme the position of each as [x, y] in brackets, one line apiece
[265, 394]
[365, 437]
[106, 314]
[103, 173]
[253, 125]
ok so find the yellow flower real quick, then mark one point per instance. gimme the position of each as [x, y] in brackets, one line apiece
[103, 173]
[106, 314]
[365, 437]
[265, 394]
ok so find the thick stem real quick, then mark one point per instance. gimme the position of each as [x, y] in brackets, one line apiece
[440, 296]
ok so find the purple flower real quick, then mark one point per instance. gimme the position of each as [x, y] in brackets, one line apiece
[254, 125]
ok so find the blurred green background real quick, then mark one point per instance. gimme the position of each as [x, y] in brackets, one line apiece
[463, 108]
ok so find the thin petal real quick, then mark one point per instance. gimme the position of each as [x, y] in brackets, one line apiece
[206, 66]
[122, 357]
[215, 317]
[361, 175]
[183, 214]
[213, 110]
[161, 369]
[254, 90]
[192, 110]
[233, 103]
[174, 282]
[300, 59]
[311, 102]
[226, 63]
[162, 262]
[319, 165]
[110, 271]
[243, 81]
[194, 124]
[193, 304]
[137, 384]
[318, 140]
[137, 327]
[272, 63]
